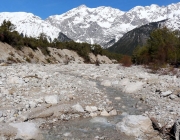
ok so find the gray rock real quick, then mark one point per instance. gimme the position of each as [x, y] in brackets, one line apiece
[40, 100]
[67, 134]
[12, 119]
[26, 131]
[178, 94]
[167, 93]
[78, 108]
[135, 125]
[106, 83]
[27, 106]
[172, 96]
[117, 98]
[91, 108]
[32, 104]
[36, 113]
[93, 114]
[99, 120]
[105, 113]
[113, 112]
[176, 127]
[1, 119]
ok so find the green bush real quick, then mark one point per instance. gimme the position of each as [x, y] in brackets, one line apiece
[163, 46]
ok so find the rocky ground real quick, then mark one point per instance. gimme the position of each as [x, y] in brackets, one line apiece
[84, 101]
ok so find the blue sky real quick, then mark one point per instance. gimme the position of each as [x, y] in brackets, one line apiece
[45, 8]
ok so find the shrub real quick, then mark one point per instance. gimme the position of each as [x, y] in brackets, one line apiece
[28, 60]
[126, 61]
[11, 59]
[97, 63]
[48, 60]
[31, 55]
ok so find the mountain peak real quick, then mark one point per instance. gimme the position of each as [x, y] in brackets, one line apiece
[82, 6]
[101, 24]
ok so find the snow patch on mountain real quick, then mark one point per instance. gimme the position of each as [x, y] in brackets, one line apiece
[29, 24]
[104, 24]
[101, 24]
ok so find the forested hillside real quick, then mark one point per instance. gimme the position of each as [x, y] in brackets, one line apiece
[9, 35]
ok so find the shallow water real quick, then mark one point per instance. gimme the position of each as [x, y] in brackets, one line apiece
[98, 127]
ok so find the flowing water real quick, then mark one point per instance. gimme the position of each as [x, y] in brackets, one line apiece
[98, 127]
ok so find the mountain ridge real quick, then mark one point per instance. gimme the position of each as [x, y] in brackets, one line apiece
[136, 37]
[103, 24]
[94, 25]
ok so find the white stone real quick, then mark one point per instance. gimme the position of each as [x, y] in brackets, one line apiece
[135, 125]
[172, 96]
[67, 134]
[91, 108]
[32, 104]
[26, 131]
[124, 82]
[113, 112]
[106, 83]
[1, 119]
[52, 99]
[104, 113]
[78, 108]
[167, 93]
[115, 82]
[15, 80]
[117, 98]
[39, 100]
[93, 114]
[133, 87]
[27, 106]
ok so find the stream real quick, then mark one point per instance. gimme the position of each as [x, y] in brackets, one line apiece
[98, 128]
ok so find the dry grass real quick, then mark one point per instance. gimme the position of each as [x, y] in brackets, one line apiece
[126, 61]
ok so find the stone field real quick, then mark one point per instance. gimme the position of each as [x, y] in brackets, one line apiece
[84, 101]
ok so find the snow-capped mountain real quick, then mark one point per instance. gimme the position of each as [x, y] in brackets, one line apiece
[101, 25]
[104, 24]
[29, 24]
[85, 24]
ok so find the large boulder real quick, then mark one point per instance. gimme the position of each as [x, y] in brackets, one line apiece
[133, 87]
[27, 131]
[135, 125]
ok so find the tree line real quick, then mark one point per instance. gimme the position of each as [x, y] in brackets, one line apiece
[8, 34]
[162, 47]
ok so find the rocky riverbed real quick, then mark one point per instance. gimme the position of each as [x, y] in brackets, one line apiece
[84, 101]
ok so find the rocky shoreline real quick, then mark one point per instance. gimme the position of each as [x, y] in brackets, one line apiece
[39, 96]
